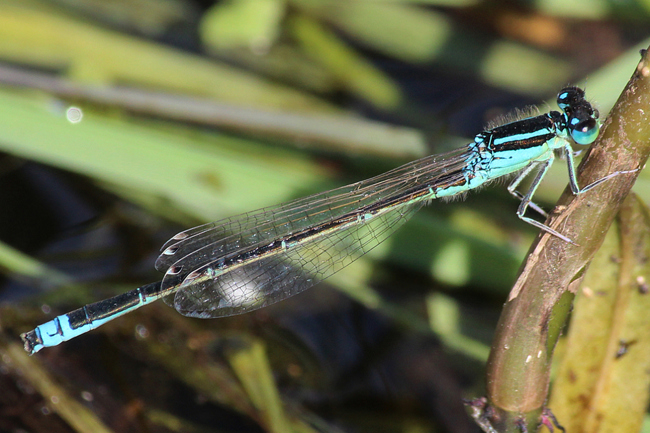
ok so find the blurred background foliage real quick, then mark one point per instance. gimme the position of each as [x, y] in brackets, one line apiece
[198, 110]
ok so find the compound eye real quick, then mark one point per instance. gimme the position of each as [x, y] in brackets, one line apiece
[563, 100]
[583, 131]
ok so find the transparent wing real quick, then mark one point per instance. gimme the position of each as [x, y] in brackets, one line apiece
[229, 266]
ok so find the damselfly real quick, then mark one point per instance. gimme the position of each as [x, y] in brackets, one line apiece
[255, 259]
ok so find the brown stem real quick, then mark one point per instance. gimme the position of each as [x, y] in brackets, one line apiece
[540, 301]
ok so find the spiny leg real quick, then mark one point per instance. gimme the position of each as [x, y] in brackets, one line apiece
[512, 188]
[526, 201]
[573, 178]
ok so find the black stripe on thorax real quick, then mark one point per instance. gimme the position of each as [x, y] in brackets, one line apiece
[503, 138]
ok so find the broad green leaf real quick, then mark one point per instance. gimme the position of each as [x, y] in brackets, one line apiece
[602, 382]
[252, 24]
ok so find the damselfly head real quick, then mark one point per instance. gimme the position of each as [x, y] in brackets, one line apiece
[582, 118]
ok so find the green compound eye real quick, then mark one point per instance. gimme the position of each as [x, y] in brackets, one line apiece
[583, 131]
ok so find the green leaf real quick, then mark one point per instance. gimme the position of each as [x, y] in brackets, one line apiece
[602, 382]
[254, 24]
